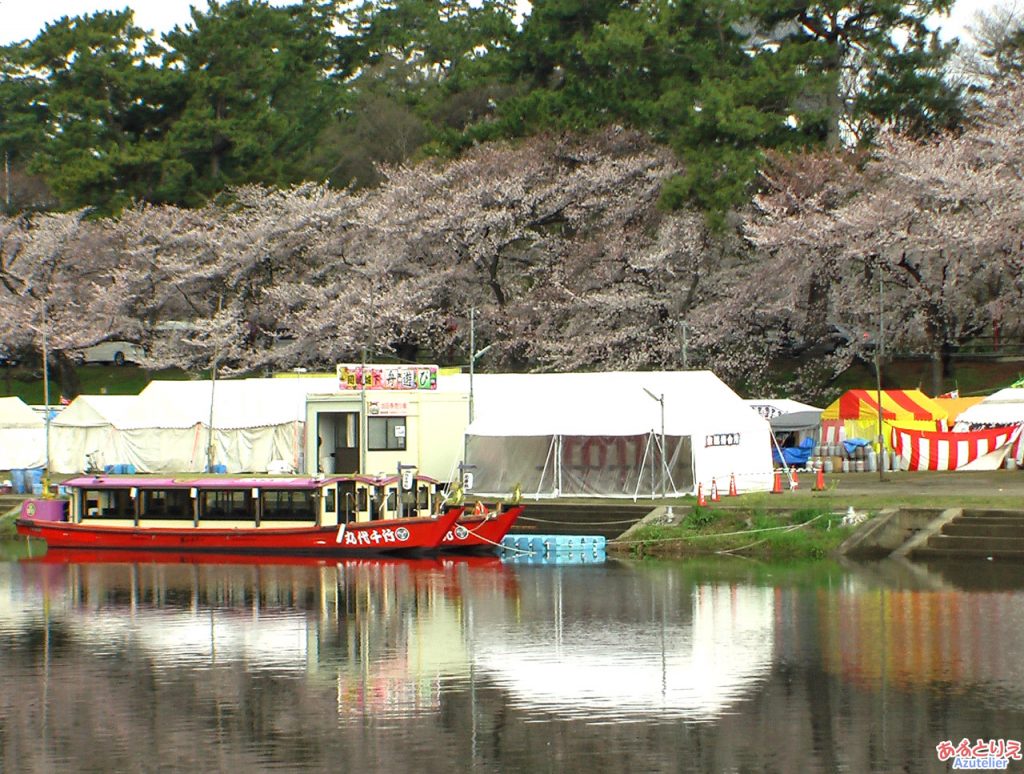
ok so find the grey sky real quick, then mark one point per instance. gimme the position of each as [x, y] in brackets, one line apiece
[21, 19]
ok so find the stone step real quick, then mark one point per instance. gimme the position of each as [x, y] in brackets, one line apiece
[989, 530]
[609, 521]
[983, 524]
[991, 513]
[929, 552]
[975, 543]
[1018, 519]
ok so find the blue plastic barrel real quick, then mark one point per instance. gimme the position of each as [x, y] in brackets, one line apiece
[34, 480]
[18, 481]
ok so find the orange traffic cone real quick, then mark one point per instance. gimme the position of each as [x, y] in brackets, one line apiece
[819, 481]
[700, 495]
[732, 485]
[777, 485]
[714, 491]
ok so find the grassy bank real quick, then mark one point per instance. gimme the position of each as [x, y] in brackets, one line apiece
[27, 383]
[805, 533]
[7, 528]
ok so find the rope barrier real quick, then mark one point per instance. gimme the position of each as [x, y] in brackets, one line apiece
[580, 524]
[502, 546]
[786, 527]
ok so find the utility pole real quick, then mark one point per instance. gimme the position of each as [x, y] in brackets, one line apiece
[46, 401]
[878, 378]
[7, 180]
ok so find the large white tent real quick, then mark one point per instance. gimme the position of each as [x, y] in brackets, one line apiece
[601, 434]
[122, 430]
[167, 427]
[255, 422]
[22, 436]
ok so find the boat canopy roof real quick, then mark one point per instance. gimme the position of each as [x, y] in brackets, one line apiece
[208, 482]
[104, 481]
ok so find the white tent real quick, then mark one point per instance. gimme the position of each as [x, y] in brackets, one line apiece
[1001, 409]
[1005, 407]
[22, 436]
[600, 434]
[122, 430]
[787, 416]
[254, 421]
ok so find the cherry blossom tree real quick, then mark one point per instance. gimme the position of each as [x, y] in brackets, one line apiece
[55, 274]
[558, 243]
[933, 228]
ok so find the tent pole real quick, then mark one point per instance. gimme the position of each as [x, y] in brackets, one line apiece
[209, 445]
[544, 470]
[640, 475]
[558, 464]
[671, 481]
[782, 458]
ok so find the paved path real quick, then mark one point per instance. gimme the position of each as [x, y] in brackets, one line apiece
[1001, 484]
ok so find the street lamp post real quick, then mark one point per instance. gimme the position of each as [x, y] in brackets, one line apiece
[474, 355]
[661, 400]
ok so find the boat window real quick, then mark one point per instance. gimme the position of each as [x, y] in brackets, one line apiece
[392, 499]
[108, 503]
[347, 500]
[423, 502]
[165, 503]
[377, 503]
[232, 504]
[408, 503]
[288, 504]
[385, 433]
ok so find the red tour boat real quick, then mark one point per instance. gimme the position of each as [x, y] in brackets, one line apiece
[325, 515]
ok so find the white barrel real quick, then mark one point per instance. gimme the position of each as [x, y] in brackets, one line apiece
[871, 463]
[846, 465]
[828, 465]
[858, 466]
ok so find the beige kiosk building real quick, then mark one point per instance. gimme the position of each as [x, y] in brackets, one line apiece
[383, 416]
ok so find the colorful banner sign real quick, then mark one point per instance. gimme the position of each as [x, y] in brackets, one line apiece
[387, 377]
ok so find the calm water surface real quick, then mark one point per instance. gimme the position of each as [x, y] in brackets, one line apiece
[141, 664]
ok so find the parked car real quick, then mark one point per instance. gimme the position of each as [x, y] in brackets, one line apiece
[117, 352]
[834, 337]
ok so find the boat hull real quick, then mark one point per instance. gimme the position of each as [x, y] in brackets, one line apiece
[360, 538]
[479, 532]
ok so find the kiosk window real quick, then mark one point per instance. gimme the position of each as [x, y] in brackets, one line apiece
[386, 433]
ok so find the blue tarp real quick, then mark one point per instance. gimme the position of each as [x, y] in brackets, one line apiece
[852, 444]
[795, 455]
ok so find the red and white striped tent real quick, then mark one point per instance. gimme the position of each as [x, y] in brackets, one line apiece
[969, 450]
